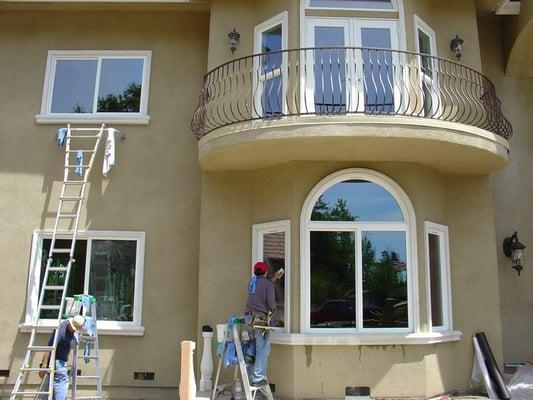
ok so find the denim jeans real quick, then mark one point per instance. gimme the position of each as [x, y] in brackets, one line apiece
[262, 351]
[61, 382]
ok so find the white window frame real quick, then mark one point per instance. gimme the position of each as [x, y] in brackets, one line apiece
[258, 233]
[442, 232]
[141, 117]
[106, 327]
[258, 81]
[433, 82]
[408, 226]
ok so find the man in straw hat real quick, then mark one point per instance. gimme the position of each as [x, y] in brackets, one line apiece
[65, 334]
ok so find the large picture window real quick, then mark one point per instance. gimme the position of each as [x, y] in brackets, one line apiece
[96, 84]
[107, 265]
[358, 269]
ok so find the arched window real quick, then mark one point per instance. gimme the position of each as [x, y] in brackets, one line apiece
[357, 243]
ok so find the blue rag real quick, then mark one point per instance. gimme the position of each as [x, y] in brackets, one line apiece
[61, 135]
[79, 163]
[230, 355]
[252, 285]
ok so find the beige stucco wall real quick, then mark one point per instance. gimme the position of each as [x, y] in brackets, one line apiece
[153, 188]
[233, 201]
[513, 196]
[446, 18]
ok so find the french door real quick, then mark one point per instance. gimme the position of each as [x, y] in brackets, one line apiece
[350, 69]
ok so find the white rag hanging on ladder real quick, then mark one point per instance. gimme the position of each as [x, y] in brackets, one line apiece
[109, 154]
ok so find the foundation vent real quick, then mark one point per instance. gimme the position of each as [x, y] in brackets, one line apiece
[4, 373]
[357, 393]
[144, 376]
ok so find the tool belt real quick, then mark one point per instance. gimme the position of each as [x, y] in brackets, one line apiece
[259, 319]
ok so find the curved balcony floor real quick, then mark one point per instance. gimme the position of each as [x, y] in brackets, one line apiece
[446, 146]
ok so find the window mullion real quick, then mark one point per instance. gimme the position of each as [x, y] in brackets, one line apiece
[97, 84]
[359, 280]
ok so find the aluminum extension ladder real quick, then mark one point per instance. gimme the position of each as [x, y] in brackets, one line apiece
[249, 391]
[81, 145]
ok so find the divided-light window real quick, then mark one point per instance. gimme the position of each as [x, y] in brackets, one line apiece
[96, 83]
[107, 266]
[358, 258]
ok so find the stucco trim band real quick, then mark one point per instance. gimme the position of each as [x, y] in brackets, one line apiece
[366, 339]
[98, 119]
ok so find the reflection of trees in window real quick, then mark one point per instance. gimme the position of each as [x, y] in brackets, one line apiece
[78, 109]
[128, 101]
[332, 254]
[323, 211]
[112, 279]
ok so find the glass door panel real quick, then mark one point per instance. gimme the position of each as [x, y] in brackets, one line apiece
[327, 66]
[377, 67]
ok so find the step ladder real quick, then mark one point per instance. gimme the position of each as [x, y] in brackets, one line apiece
[88, 342]
[250, 391]
[81, 145]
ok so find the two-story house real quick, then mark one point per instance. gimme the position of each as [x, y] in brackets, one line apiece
[358, 144]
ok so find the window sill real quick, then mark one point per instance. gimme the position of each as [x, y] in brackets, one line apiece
[114, 331]
[93, 119]
[368, 339]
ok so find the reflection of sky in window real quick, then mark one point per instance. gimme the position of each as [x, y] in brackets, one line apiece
[368, 4]
[117, 74]
[365, 200]
[74, 86]
[387, 241]
[271, 41]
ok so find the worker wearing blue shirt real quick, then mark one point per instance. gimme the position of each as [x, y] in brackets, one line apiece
[65, 334]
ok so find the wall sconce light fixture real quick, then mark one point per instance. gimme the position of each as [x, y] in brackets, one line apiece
[456, 46]
[234, 38]
[513, 249]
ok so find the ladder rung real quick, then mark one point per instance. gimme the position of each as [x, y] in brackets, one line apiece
[73, 182]
[61, 250]
[52, 287]
[83, 151]
[50, 307]
[87, 377]
[57, 269]
[88, 397]
[76, 166]
[40, 348]
[83, 137]
[89, 357]
[70, 198]
[67, 215]
[35, 369]
[28, 394]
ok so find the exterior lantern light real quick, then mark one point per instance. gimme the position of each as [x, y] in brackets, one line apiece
[515, 251]
[456, 45]
[234, 38]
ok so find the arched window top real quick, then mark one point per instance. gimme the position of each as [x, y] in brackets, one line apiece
[353, 4]
[358, 195]
[356, 200]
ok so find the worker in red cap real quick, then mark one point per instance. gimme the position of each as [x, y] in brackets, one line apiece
[261, 301]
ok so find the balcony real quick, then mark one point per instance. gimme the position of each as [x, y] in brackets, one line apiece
[350, 104]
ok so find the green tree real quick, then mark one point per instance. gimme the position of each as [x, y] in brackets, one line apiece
[128, 101]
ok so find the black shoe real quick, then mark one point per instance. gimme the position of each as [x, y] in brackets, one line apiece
[262, 382]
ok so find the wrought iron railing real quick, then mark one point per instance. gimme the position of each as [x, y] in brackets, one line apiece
[347, 80]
